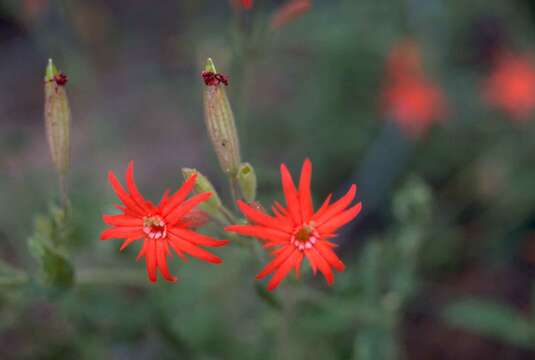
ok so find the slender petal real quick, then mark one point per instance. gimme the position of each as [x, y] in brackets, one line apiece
[261, 232]
[275, 263]
[121, 232]
[128, 241]
[322, 265]
[124, 196]
[329, 255]
[261, 218]
[281, 272]
[196, 238]
[290, 193]
[323, 207]
[150, 258]
[161, 257]
[122, 220]
[177, 198]
[193, 250]
[337, 207]
[132, 188]
[340, 220]
[186, 207]
[305, 197]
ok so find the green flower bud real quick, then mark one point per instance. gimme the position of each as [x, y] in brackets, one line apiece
[219, 120]
[202, 184]
[247, 182]
[57, 117]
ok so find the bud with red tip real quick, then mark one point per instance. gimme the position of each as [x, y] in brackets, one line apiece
[57, 117]
[219, 120]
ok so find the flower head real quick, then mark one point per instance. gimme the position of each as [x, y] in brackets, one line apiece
[297, 231]
[413, 101]
[161, 227]
[511, 86]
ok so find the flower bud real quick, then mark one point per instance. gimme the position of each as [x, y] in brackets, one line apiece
[219, 119]
[202, 184]
[247, 182]
[57, 117]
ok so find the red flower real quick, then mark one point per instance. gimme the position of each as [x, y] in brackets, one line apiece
[412, 101]
[511, 86]
[288, 12]
[166, 225]
[247, 4]
[296, 231]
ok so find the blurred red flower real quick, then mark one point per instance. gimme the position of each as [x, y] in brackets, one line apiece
[409, 98]
[166, 225]
[510, 87]
[296, 231]
[288, 12]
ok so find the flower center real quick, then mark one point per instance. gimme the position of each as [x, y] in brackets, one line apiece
[304, 236]
[154, 227]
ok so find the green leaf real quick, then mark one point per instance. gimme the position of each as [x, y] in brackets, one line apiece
[495, 320]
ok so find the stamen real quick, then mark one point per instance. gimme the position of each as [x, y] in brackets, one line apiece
[154, 227]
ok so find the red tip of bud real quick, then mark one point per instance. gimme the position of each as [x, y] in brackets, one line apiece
[61, 79]
[214, 79]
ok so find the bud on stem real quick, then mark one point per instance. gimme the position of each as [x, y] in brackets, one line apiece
[57, 120]
[219, 120]
[247, 182]
[213, 206]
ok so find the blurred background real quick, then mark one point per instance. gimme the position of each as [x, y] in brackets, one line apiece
[426, 104]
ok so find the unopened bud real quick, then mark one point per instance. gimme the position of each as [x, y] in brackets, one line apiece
[202, 184]
[219, 119]
[57, 117]
[247, 181]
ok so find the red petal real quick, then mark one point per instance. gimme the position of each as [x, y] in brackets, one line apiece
[173, 217]
[164, 198]
[322, 264]
[323, 207]
[122, 220]
[340, 220]
[262, 219]
[196, 238]
[193, 250]
[150, 258]
[336, 207]
[179, 196]
[121, 232]
[132, 188]
[312, 262]
[161, 256]
[330, 256]
[260, 232]
[275, 263]
[282, 271]
[124, 196]
[290, 193]
[305, 197]
[128, 241]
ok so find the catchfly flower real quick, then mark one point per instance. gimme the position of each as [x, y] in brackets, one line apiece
[511, 86]
[297, 231]
[168, 225]
[412, 100]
